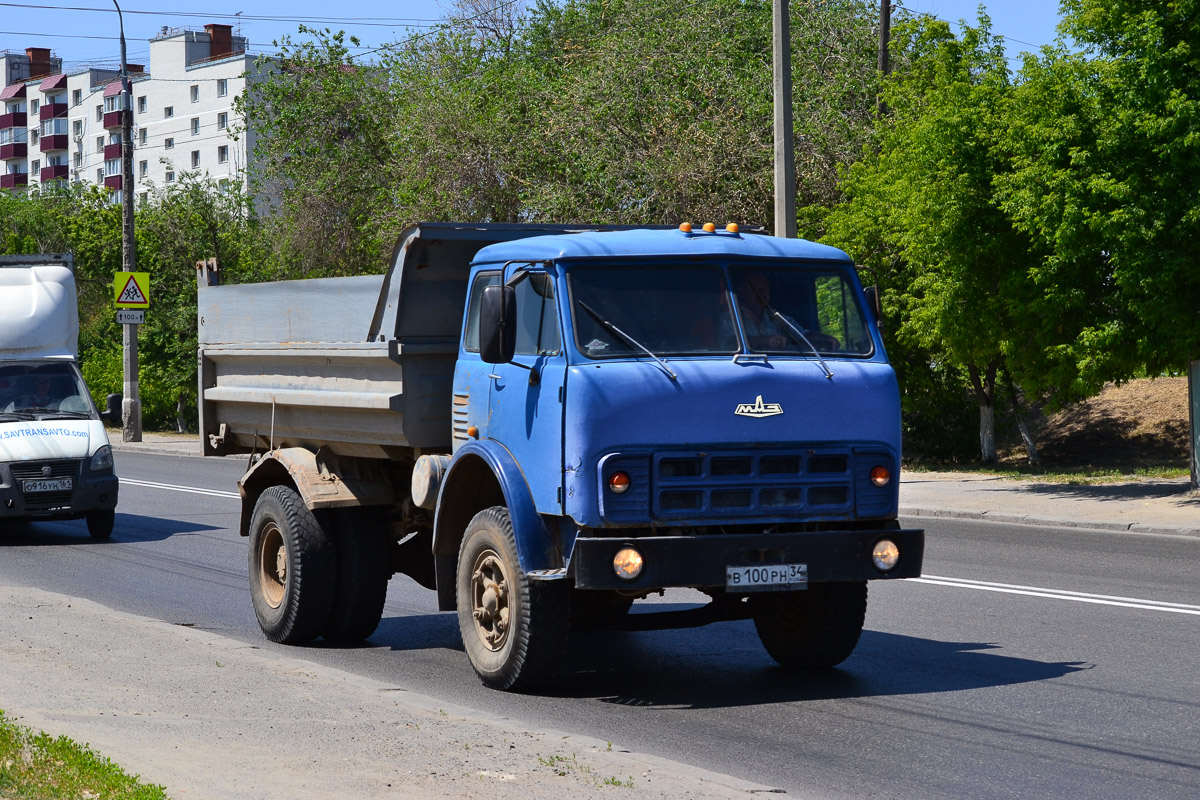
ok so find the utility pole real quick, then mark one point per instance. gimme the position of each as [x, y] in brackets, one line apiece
[785, 153]
[885, 33]
[131, 405]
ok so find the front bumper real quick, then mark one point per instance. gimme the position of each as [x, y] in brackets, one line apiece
[89, 492]
[700, 561]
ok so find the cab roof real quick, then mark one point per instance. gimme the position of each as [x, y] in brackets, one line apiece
[656, 243]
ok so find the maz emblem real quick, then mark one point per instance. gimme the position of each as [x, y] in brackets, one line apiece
[758, 408]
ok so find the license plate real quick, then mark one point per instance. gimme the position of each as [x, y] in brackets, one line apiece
[51, 485]
[767, 577]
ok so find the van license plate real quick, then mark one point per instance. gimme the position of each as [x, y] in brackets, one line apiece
[767, 577]
[52, 485]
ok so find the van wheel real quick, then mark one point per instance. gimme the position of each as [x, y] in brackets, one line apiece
[100, 522]
[817, 627]
[514, 630]
[363, 570]
[292, 568]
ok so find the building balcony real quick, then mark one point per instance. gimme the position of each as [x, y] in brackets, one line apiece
[113, 182]
[112, 151]
[112, 119]
[48, 144]
[52, 111]
[55, 172]
[13, 150]
[14, 180]
[13, 119]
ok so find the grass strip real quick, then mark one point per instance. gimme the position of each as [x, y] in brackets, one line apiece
[37, 766]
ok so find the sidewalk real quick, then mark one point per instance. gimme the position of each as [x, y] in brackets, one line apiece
[1162, 506]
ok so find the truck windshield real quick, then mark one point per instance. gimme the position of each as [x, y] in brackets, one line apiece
[687, 311]
[39, 389]
[669, 311]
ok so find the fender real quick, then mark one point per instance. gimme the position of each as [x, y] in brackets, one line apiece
[322, 479]
[482, 474]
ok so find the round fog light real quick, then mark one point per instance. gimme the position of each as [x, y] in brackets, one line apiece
[885, 555]
[627, 563]
[880, 476]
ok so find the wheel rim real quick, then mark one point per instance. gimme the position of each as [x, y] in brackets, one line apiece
[489, 599]
[272, 565]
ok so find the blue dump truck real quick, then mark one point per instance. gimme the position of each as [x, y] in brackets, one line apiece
[546, 424]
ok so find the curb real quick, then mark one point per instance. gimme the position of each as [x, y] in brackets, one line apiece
[1035, 521]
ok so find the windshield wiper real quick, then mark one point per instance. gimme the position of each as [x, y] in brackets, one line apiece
[795, 331]
[60, 414]
[614, 329]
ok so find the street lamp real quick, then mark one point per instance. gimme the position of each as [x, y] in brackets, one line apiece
[131, 405]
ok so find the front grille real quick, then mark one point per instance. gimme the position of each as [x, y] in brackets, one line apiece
[32, 470]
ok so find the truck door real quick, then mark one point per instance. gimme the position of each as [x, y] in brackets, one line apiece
[526, 395]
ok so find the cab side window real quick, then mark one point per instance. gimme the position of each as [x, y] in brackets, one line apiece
[537, 315]
[471, 335]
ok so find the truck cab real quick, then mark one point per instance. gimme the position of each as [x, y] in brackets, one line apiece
[55, 458]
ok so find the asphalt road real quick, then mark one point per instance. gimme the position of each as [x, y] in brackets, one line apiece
[1029, 662]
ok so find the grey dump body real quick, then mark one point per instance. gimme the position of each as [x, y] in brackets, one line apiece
[361, 366]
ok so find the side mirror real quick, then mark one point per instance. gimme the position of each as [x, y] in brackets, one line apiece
[872, 294]
[498, 324]
[112, 410]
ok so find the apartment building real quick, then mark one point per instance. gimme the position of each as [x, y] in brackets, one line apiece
[58, 126]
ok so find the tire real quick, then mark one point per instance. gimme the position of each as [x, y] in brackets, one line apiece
[515, 630]
[100, 522]
[292, 568]
[363, 570]
[815, 628]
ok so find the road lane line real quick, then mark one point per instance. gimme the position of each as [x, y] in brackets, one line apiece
[174, 488]
[1060, 594]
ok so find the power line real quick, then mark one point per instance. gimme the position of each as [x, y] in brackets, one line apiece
[382, 22]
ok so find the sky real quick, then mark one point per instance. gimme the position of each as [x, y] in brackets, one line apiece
[89, 37]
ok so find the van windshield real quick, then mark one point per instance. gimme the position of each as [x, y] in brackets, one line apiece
[619, 312]
[40, 389]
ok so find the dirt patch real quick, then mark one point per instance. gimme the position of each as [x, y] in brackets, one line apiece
[1139, 424]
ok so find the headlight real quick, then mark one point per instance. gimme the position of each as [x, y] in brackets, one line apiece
[627, 563]
[103, 460]
[885, 555]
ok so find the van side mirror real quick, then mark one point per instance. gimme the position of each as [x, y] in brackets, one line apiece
[498, 324]
[112, 410]
[872, 294]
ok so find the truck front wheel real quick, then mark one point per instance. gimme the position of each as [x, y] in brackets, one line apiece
[514, 630]
[817, 627]
[100, 522]
[292, 568]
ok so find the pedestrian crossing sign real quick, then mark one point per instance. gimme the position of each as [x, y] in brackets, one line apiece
[132, 290]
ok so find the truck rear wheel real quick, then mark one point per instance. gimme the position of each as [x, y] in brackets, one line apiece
[292, 568]
[514, 630]
[817, 627]
[363, 570]
[100, 523]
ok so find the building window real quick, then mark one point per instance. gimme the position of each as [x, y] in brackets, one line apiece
[100, 113]
[168, 144]
[142, 168]
[99, 144]
[142, 136]
[169, 111]
[144, 197]
[195, 126]
[33, 106]
[78, 160]
[222, 87]
[35, 166]
[77, 127]
[142, 104]
[33, 137]
[100, 175]
[195, 93]
[195, 159]
[170, 178]
[222, 154]
[222, 121]
[77, 97]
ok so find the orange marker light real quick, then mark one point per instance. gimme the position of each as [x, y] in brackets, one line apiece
[618, 482]
[686, 227]
[709, 227]
[732, 227]
[880, 476]
[473, 432]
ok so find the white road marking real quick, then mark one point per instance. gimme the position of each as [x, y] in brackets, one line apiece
[188, 489]
[1060, 594]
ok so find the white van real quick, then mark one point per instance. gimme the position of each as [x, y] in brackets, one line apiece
[55, 458]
